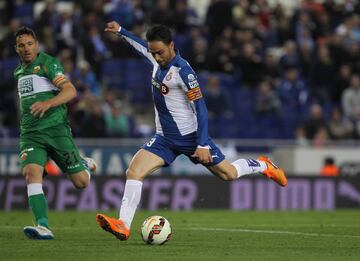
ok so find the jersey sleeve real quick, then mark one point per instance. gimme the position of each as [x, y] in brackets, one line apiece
[140, 46]
[54, 71]
[192, 91]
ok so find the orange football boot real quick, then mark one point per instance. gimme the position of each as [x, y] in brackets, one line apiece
[274, 172]
[114, 226]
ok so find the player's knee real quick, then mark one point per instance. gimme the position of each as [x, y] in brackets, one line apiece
[29, 175]
[132, 174]
[231, 177]
[227, 176]
[81, 182]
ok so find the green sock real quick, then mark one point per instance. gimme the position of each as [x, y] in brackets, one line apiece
[39, 208]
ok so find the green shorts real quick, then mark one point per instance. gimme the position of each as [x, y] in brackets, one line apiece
[54, 142]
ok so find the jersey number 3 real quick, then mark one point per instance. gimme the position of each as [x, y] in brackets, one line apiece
[151, 142]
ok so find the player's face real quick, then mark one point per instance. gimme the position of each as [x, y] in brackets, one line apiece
[27, 48]
[163, 53]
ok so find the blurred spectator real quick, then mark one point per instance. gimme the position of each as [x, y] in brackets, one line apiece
[329, 169]
[340, 128]
[321, 138]
[292, 89]
[316, 124]
[117, 123]
[79, 112]
[162, 13]
[65, 33]
[290, 58]
[198, 50]
[300, 136]
[304, 28]
[7, 43]
[94, 122]
[251, 66]
[86, 79]
[350, 99]
[271, 66]
[283, 30]
[342, 81]
[306, 56]
[216, 102]
[322, 76]
[220, 57]
[219, 16]
[267, 102]
[357, 122]
[95, 49]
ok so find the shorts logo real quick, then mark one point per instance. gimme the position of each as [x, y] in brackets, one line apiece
[169, 76]
[23, 156]
[23, 153]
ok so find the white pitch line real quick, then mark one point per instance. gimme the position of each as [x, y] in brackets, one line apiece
[270, 232]
[294, 233]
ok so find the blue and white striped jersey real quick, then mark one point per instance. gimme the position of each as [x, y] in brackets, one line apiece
[179, 106]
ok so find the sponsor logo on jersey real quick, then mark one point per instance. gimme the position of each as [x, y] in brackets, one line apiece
[36, 69]
[191, 77]
[26, 85]
[160, 86]
[193, 83]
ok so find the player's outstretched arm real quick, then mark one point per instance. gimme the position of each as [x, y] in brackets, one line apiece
[67, 93]
[140, 46]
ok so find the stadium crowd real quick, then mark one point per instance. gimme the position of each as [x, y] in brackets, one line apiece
[266, 71]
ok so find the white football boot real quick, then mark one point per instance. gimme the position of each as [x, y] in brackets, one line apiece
[38, 232]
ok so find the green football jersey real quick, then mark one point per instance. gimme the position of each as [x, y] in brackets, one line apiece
[35, 83]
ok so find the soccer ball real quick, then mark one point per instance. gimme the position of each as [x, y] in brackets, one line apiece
[156, 230]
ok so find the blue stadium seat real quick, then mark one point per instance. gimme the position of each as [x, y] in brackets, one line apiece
[25, 13]
[7, 67]
[113, 73]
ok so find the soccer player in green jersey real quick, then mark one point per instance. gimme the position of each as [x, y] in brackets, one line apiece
[43, 92]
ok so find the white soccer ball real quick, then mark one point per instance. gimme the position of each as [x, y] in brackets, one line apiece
[156, 230]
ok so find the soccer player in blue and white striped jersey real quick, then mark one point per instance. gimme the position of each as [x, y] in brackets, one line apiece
[181, 127]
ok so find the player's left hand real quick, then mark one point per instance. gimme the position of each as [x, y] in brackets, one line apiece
[39, 108]
[203, 155]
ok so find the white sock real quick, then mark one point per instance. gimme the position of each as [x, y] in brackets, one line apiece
[248, 166]
[34, 189]
[130, 201]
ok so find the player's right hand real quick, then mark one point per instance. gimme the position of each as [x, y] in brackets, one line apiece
[112, 27]
[203, 155]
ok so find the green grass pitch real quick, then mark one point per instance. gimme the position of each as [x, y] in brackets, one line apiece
[197, 235]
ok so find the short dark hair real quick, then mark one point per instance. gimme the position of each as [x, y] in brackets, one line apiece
[159, 32]
[25, 30]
